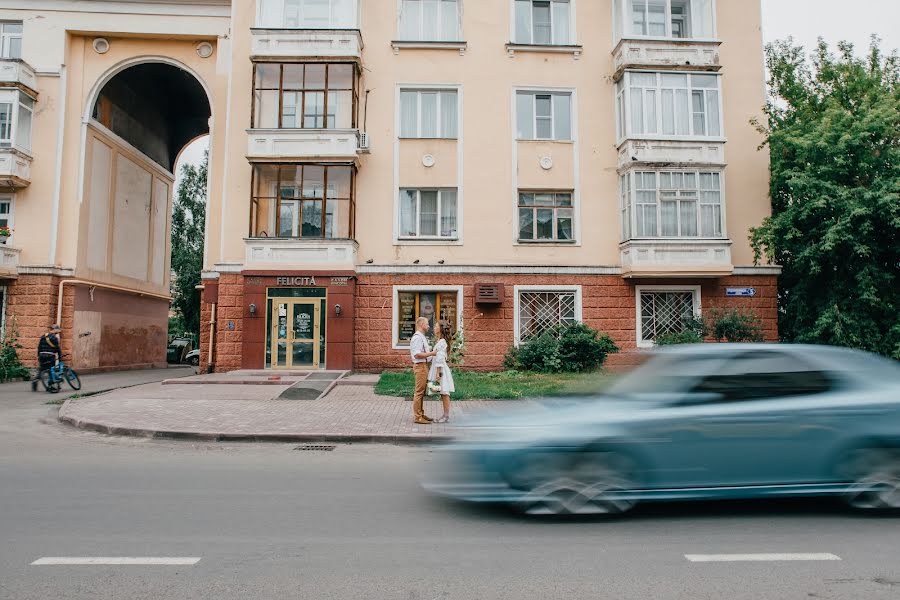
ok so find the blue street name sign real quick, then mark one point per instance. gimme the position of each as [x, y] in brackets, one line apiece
[743, 292]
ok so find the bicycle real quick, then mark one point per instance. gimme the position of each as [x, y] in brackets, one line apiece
[52, 378]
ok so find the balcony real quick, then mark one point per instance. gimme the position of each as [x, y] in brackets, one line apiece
[328, 44]
[17, 73]
[9, 261]
[671, 152]
[15, 168]
[668, 258]
[699, 55]
[294, 253]
[324, 145]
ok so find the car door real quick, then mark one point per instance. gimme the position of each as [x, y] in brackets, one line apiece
[748, 423]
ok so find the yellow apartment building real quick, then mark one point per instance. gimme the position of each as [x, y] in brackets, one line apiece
[506, 165]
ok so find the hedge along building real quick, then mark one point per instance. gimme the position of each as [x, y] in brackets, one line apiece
[108, 94]
[504, 165]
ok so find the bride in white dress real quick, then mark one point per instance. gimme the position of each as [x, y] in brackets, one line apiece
[440, 371]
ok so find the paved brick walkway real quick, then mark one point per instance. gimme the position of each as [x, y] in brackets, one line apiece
[254, 412]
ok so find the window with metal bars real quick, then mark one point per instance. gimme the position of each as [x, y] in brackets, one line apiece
[664, 312]
[540, 311]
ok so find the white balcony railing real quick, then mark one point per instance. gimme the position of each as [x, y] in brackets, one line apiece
[682, 54]
[320, 144]
[676, 258]
[294, 253]
[17, 72]
[298, 43]
[15, 168]
[634, 152]
[9, 260]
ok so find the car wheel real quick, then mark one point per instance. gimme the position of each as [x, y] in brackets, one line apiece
[876, 479]
[195, 361]
[588, 483]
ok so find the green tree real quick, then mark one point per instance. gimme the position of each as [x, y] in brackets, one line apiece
[834, 136]
[188, 221]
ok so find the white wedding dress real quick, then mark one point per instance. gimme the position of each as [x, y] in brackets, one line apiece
[440, 362]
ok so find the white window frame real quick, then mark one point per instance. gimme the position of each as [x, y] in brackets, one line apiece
[395, 342]
[623, 91]
[622, 23]
[15, 98]
[555, 208]
[440, 28]
[440, 201]
[439, 112]
[534, 117]
[332, 16]
[517, 291]
[530, 41]
[629, 196]
[639, 289]
[6, 39]
[11, 199]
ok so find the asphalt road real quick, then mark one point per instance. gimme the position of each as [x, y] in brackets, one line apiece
[267, 521]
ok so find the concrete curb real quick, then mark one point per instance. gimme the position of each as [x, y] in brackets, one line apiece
[373, 438]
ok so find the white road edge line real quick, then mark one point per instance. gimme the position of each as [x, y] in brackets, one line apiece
[759, 557]
[117, 560]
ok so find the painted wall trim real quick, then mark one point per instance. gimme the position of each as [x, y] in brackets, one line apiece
[484, 269]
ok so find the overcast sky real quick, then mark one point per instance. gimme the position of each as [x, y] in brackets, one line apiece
[805, 20]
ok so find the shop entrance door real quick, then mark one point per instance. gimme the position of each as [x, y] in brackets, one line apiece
[295, 334]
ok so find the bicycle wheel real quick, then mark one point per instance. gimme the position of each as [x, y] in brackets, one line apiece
[47, 382]
[72, 379]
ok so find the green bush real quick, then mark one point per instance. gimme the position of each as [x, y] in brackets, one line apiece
[11, 366]
[572, 348]
[734, 325]
[680, 337]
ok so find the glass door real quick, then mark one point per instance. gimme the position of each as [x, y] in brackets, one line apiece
[295, 334]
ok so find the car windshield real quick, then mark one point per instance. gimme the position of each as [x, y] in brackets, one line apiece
[665, 374]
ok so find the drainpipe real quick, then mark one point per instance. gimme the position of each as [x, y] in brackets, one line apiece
[211, 366]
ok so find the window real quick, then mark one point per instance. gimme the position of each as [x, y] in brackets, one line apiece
[764, 375]
[668, 104]
[434, 305]
[429, 20]
[671, 204]
[11, 40]
[428, 214]
[304, 96]
[539, 310]
[6, 211]
[679, 19]
[428, 114]
[308, 14]
[16, 112]
[546, 216]
[302, 201]
[664, 311]
[543, 116]
[543, 22]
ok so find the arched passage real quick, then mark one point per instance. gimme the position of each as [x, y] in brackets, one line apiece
[140, 116]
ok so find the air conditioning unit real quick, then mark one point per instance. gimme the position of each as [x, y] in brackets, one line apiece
[489, 293]
[363, 141]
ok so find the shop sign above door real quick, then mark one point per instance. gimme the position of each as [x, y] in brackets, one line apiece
[296, 281]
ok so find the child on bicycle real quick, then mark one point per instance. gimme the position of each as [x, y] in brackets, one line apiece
[49, 352]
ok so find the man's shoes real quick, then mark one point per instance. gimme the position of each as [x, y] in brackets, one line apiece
[423, 421]
[427, 418]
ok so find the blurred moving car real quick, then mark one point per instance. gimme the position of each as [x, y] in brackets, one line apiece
[705, 421]
[193, 357]
[178, 350]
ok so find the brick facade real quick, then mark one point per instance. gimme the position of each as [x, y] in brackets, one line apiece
[31, 307]
[608, 304]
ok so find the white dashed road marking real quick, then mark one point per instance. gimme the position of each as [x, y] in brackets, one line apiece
[117, 560]
[758, 557]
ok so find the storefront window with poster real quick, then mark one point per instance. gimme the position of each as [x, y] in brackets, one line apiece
[434, 306]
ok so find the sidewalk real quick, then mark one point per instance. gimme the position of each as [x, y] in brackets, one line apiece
[219, 411]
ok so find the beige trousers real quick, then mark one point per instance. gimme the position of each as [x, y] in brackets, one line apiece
[421, 372]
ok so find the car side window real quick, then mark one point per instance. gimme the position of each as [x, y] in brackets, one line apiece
[764, 374]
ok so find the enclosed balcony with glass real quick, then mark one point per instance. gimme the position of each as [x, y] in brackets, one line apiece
[327, 28]
[16, 116]
[304, 110]
[665, 33]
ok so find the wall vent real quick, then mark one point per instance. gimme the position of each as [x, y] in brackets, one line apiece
[489, 293]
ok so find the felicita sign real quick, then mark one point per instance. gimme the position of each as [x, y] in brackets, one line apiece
[295, 281]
